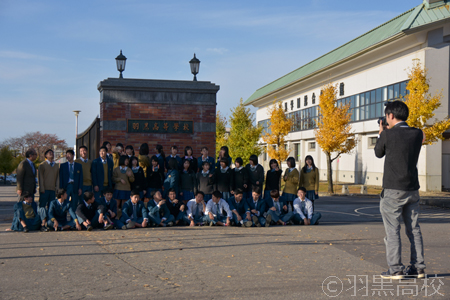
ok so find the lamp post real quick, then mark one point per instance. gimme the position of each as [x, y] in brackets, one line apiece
[120, 62]
[77, 112]
[195, 66]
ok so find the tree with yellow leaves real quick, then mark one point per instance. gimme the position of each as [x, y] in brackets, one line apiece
[279, 128]
[221, 132]
[334, 133]
[421, 105]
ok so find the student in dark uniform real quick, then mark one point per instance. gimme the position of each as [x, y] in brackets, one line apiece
[110, 205]
[177, 208]
[256, 175]
[57, 213]
[189, 155]
[238, 207]
[224, 182]
[205, 181]
[240, 176]
[155, 177]
[188, 182]
[88, 213]
[174, 154]
[140, 182]
[223, 153]
[273, 178]
[205, 157]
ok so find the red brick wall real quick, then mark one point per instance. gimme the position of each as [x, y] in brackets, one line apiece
[123, 111]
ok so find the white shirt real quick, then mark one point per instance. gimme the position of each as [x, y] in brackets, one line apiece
[191, 207]
[308, 207]
[223, 205]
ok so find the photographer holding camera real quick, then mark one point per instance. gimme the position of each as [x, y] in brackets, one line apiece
[401, 145]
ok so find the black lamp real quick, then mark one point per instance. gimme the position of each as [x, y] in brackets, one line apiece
[121, 61]
[195, 66]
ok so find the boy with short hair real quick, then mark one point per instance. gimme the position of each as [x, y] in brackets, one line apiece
[238, 208]
[48, 179]
[159, 211]
[279, 210]
[26, 217]
[110, 205]
[215, 209]
[134, 213]
[86, 166]
[57, 213]
[205, 181]
[303, 210]
[176, 207]
[196, 209]
[256, 207]
[90, 214]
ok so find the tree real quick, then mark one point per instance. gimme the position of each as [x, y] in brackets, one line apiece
[244, 135]
[6, 161]
[333, 134]
[279, 128]
[221, 132]
[421, 105]
[37, 140]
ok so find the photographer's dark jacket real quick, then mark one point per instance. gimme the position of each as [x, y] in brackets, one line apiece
[401, 144]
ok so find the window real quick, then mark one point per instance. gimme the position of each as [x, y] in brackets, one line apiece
[292, 104]
[265, 124]
[298, 102]
[306, 100]
[341, 89]
[312, 146]
[372, 141]
[313, 99]
[285, 106]
[297, 152]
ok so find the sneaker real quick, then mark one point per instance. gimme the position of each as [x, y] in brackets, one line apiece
[211, 223]
[170, 224]
[44, 229]
[131, 225]
[290, 223]
[124, 227]
[25, 229]
[396, 275]
[248, 224]
[256, 221]
[108, 226]
[411, 271]
[89, 228]
[268, 220]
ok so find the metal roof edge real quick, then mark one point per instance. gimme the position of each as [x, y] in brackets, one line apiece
[412, 17]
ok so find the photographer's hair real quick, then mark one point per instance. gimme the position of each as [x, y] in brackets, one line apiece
[30, 152]
[398, 108]
[60, 193]
[144, 150]
[291, 162]
[305, 167]
[88, 196]
[275, 194]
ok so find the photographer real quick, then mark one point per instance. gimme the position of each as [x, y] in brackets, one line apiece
[401, 145]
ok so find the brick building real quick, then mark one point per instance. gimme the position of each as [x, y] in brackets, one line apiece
[166, 112]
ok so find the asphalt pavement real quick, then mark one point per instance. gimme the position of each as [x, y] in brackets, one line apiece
[339, 259]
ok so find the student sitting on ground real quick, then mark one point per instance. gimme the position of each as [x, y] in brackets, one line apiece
[90, 214]
[255, 209]
[158, 210]
[134, 213]
[26, 217]
[110, 205]
[216, 209]
[177, 208]
[57, 213]
[303, 210]
[238, 208]
[278, 210]
[196, 209]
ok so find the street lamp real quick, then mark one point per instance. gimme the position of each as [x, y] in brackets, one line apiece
[195, 66]
[121, 61]
[77, 112]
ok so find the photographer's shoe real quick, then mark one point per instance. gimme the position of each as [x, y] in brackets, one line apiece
[412, 272]
[396, 275]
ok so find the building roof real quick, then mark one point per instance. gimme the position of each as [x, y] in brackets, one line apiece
[414, 18]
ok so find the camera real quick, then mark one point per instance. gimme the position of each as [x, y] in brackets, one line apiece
[383, 121]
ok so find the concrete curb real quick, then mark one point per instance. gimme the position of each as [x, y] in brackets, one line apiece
[436, 202]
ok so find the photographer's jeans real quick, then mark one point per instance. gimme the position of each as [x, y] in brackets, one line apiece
[394, 205]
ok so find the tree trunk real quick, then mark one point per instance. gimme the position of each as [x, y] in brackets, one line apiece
[330, 174]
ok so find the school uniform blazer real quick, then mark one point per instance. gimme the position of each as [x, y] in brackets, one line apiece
[308, 207]
[58, 211]
[206, 184]
[155, 180]
[292, 181]
[174, 208]
[172, 180]
[87, 213]
[239, 207]
[209, 159]
[127, 210]
[282, 203]
[194, 164]
[179, 161]
[224, 181]
[260, 206]
[240, 177]
[18, 207]
[112, 206]
[64, 176]
[162, 210]
[26, 178]
[161, 162]
[98, 176]
[256, 176]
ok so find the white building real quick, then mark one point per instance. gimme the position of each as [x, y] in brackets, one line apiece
[370, 70]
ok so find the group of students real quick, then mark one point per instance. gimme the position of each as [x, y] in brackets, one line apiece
[121, 190]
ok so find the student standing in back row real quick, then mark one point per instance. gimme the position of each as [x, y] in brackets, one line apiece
[309, 179]
[291, 179]
[122, 177]
[273, 178]
[86, 166]
[205, 181]
[188, 182]
[71, 179]
[224, 179]
[48, 179]
[223, 153]
[240, 177]
[102, 169]
[205, 158]
[256, 175]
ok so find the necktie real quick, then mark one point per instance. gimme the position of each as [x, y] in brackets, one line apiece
[197, 210]
[277, 205]
[134, 212]
[302, 206]
[71, 171]
[217, 209]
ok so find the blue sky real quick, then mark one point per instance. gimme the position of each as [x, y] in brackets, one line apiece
[54, 53]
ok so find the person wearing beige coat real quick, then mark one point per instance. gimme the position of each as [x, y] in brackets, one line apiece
[122, 177]
[291, 179]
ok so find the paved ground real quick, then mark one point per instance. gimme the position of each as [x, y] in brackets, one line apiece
[340, 257]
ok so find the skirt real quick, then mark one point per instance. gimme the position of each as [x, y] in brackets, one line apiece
[311, 195]
[121, 195]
